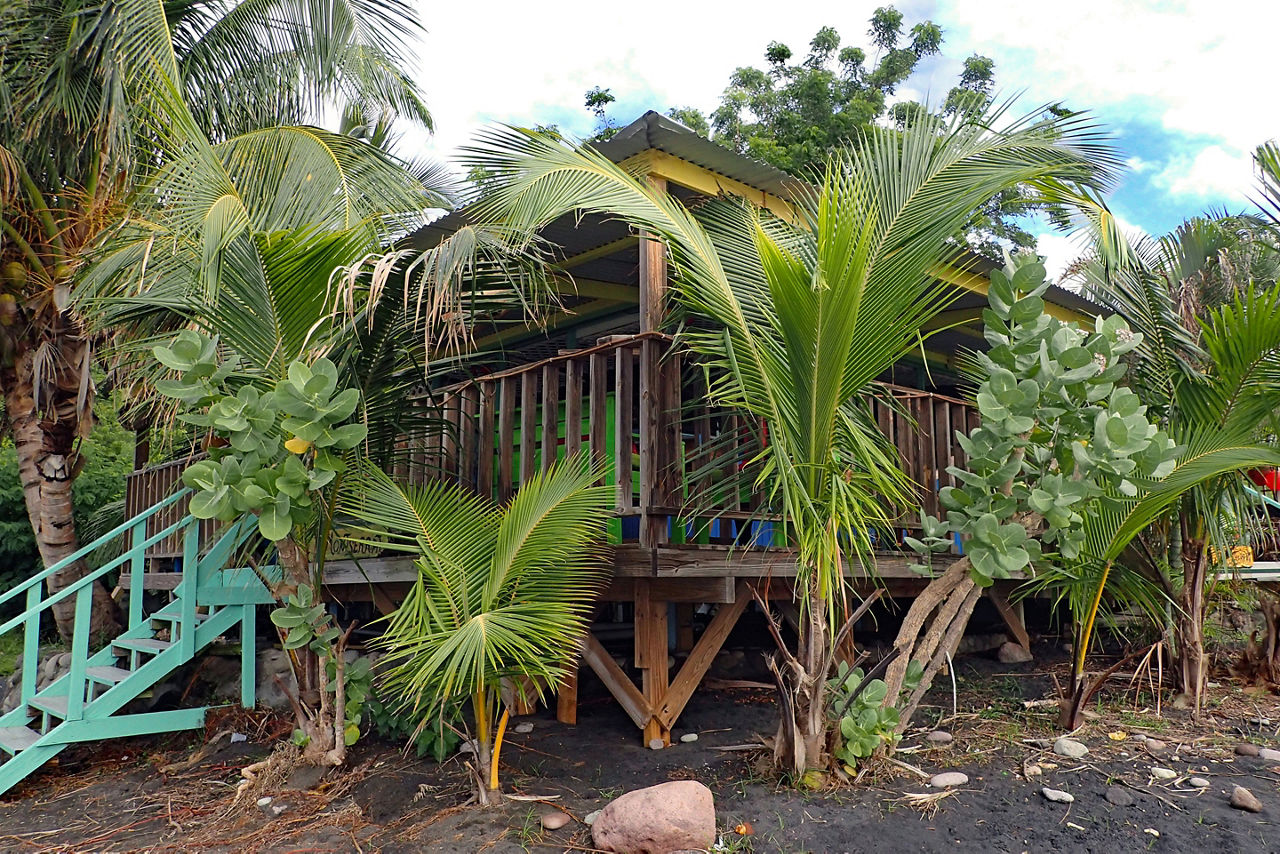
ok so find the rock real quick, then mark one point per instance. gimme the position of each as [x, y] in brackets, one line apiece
[657, 820]
[1182, 701]
[939, 736]
[1199, 783]
[1268, 754]
[1155, 744]
[689, 738]
[947, 779]
[1057, 796]
[554, 820]
[1031, 769]
[1247, 750]
[1117, 796]
[524, 728]
[590, 818]
[1243, 799]
[656, 744]
[277, 809]
[264, 802]
[1069, 748]
[1013, 653]
[274, 663]
[1163, 773]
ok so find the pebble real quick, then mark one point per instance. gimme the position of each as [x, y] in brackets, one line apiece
[1163, 773]
[1199, 783]
[590, 818]
[1155, 744]
[947, 779]
[264, 802]
[939, 736]
[1243, 799]
[554, 820]
[524, 728]
[656, 744]
[1031, 769]
[1070, 748]
[1117, 796]
[1246, 750]
[1268, 754]
[1057, 796]
[689, 737]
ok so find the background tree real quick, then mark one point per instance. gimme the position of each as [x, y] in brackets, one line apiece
[84, 78]
[803, 316]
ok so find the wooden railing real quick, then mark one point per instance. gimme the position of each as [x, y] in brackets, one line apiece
[673, 459]
[147, 487]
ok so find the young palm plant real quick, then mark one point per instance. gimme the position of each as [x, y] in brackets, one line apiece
[502, 597]
[797, 318]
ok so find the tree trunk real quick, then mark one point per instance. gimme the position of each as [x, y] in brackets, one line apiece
[930, 634]
[47, 467]
[1188, 620]
[803, 727]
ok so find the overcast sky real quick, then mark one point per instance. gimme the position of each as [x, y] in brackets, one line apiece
[1187, 88]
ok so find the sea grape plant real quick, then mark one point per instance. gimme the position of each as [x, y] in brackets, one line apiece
[1058, 439]
[275, 447]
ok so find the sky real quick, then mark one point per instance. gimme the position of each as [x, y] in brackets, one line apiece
[1185, 87]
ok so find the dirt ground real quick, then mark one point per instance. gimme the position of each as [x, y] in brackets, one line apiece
[146, 795]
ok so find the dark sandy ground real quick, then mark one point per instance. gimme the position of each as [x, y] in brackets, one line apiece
[116, 798]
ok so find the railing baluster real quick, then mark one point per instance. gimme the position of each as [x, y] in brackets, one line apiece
[550, 414]
[79, 653]
[189, 586]
[506, 437]
[572, 407]
[31, 643]
[484, 441]
[598, 414]
[528, 424]
[137, 571]
[625, 366]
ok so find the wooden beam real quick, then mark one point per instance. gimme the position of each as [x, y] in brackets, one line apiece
[999, 596]
[704, 181]
[618, 683]
[602, 251]
[597, 289]
[704, 652]
[567, 697]
[580, 314]
[688, 591]
[653, 298]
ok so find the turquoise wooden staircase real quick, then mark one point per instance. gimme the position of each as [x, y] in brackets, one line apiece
[86, 704]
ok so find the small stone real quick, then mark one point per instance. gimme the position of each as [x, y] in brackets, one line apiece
[1155, 744]
[939, 736]
[278, 809]
[1069, 748]
[947, 779]
[1243, 799]
[1199, 783]
[524, 728]
[1031, 769]
[1057, 796]
[1268, 754]
[1246, 750]
[1151, 831]
[1117, 796]
[590, 818]
[237, 737]
[656, 744]
[1213, 684]
[1013, 653]
[554, 820]
[1182, 701]
[1163, 773]
[689, 738]
[264, 802]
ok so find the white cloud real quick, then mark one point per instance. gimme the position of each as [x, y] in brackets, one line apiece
[1214, 171]
[1137, 164]
[1061, 250]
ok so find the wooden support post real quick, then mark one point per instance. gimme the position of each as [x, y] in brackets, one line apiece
[653, 396]
[684, 627]
[567, 697]
[619, 685]
[651, 659]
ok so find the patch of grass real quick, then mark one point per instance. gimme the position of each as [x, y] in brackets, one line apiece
[10, 649]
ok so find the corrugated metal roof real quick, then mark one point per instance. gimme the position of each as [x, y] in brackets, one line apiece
[656, 131]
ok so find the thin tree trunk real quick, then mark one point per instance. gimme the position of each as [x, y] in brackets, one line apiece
[47, 471]
[1192, 666]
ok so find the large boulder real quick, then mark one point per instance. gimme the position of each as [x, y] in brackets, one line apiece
[675, 816]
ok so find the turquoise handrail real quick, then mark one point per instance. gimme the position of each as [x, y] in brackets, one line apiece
[1265, 499]
[85, 550]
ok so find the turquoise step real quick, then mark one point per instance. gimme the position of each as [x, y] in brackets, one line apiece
[17, 738]
[143, 644]
[54, 704]
[107, 675]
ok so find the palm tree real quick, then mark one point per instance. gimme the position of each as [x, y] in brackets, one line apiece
[503, 594]
[98, 87]
[802, 316]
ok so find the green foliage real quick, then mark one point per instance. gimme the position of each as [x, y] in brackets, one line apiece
[1059, 439]
[438, 736]
[867, 720]
[282, 445]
